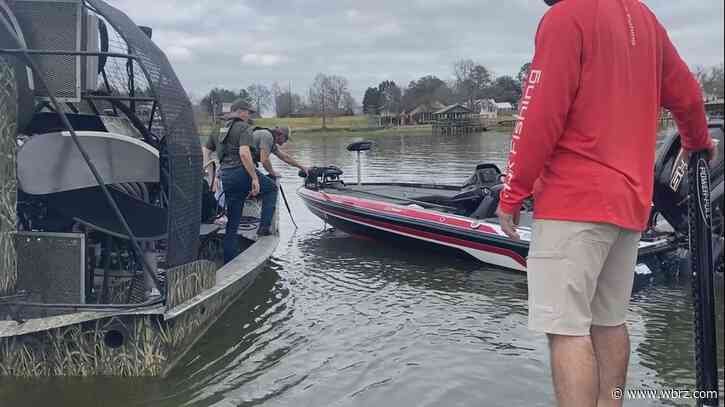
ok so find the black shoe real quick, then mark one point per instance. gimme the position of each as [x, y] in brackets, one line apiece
[263, 231]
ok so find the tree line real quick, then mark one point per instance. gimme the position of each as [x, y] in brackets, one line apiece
[471, 81]
[329, 95]
[712, 80]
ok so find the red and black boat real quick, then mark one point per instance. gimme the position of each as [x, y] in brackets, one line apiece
[462, 218]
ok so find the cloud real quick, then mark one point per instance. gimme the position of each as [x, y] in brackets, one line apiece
[263, 59]
[234, 44]
[179, 54]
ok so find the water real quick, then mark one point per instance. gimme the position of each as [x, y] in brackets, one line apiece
[336, 321]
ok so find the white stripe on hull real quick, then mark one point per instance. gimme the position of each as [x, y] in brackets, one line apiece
[480, 255]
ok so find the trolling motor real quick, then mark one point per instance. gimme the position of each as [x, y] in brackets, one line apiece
[358, 147]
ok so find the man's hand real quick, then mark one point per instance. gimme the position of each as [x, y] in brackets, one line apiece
[255, 188]
[711, 153]
[304, 169]
[508, 222]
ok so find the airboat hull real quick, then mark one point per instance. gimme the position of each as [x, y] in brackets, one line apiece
[142, 341]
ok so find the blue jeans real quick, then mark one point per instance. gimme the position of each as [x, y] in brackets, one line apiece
[237, 184]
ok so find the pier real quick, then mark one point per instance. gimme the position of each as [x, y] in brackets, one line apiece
[456, 119]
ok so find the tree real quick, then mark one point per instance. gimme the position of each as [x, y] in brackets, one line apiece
[523, 74]
[471, 80]
[710, 79]
[505, 89]
[260, 95]
[390, 97]
[371, 101]
[713, 83]
[286, 103]
[327, 95]
[213, 100]
[427, 89]
[349, 104]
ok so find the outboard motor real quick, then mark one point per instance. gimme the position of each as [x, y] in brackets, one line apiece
[671, 188]
[317, 177]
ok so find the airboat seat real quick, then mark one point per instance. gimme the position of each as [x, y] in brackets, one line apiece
[50, 162]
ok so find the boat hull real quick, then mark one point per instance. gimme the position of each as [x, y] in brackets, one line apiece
[416, 226]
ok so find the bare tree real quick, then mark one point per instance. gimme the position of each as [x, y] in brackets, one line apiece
[710, 79]
[327, 95]
[349, 104]
[261, 96]
[471, 80]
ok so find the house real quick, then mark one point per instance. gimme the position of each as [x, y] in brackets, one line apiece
[423, 113]
[486, 108]
[490, 109]
[456, 119]
[454, 112]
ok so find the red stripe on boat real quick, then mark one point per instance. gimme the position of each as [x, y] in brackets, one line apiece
[404, 211]
[434, 236]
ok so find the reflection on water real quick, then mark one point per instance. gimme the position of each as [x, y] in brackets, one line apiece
[337, 321]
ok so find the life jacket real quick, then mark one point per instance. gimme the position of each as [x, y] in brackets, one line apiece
[221, 146]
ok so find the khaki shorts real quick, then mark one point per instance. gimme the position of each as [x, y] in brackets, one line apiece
[579, 274]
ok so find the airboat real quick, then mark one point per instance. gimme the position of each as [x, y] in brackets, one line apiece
[108, 264]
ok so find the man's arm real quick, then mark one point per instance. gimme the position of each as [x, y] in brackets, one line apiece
[264, 158]
[681, 95]
[245, 154]
[550, 91]
[289, 160]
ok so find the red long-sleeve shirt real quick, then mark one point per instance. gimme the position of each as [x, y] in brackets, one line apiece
[584, 144]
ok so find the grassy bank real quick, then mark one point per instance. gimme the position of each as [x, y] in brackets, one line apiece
[349, 132]
[301, 123]
[312, 123]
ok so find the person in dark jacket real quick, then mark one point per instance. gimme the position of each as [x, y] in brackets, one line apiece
[584, 147]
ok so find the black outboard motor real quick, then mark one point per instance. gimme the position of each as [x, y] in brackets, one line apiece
[317, 177]
[671, 188]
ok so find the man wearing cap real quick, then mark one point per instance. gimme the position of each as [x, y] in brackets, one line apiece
[239, 175]
[267, 142]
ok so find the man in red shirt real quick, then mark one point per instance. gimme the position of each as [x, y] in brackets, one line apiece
[584, 147]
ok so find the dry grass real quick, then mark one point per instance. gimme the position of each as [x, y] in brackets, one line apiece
[8, 189]
[189, 280]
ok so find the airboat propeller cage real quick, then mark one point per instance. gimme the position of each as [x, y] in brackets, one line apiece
[68, 40]
[359, 146]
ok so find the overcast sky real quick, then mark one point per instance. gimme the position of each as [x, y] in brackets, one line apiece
[234, 43]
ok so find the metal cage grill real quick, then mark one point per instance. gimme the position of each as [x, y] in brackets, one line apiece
[54, 25]
[180, 143]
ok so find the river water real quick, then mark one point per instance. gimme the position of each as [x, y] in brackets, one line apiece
[338, 321]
